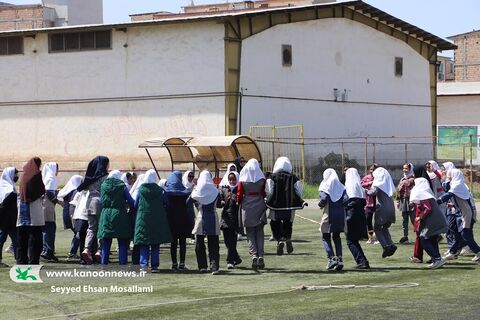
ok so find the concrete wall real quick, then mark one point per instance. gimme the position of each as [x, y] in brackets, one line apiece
[459, 110]
[343, 54]
[44, 106]
[77, 12]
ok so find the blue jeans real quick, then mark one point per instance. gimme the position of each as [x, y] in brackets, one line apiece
[327, 244]
[150, 251]
[455, 241]
[430, 245]
[122, 251]
[356, 250]
[75, 244]
[407, 216]
[3, 239]
[467, 235]
[48, 232]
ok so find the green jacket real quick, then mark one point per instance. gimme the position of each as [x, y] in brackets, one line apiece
[114, 221]
[151, 225]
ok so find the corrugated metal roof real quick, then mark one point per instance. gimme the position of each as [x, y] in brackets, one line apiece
[458, 88]
[357, 5]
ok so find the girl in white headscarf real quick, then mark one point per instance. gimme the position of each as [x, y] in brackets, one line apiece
[49, 177]
[134, 190]
[187, 180]
[356, 218]
[403, 199]
[383, 188]
[431, 221]
[8, 208]
[459, 193]
[332, 198]
[67, 193]
[206, 194]
[251, 194]
[284, 195]
[231, 167]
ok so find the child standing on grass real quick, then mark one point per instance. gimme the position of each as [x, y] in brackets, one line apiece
[366, 184]
[207, 225]
[383, 188]
[229, 219]
[251, 195]
[151, 225]
[67, 194]
[49, 177]
[430, 220]
[8, 209]
[284, 196]
[114, 220]
[180, 216]
[332, 199]
[403, 200]
[356, 220]
[459, 193]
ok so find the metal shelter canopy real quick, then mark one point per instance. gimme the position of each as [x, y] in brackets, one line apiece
[206, 152]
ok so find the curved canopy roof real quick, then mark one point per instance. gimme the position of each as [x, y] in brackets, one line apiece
[206, 152]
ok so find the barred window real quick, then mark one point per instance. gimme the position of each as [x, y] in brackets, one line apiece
[11, 45]
[79, 41]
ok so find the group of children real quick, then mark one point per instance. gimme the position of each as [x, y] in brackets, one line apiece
[149, 211]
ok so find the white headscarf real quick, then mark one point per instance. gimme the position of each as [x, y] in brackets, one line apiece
[457, 184]
[331, 185]
[383, 181]
[115, 174]
[409, 174]
[448, 166]
[251, 172]
[124, 178]
[352, 184]
[49, 176]
[151, 176]
[421, 191]
[224, 181]
[205, 191]
[434, 164]
[236, 179]
[136, 186]
[7, 185]
[187, 184]
[71, 185]
[161, 183]
[282, 164]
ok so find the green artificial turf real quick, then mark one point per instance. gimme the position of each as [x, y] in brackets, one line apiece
[452, 292]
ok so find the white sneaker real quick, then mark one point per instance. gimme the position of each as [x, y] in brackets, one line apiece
[230, 266]
[476, 258]
[369, 241]
[450, 256]
[376, 242]
[437, 264]
[466, 251]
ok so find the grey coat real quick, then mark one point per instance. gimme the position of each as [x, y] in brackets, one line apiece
[253, 208]
[385, 208]
[434, 223]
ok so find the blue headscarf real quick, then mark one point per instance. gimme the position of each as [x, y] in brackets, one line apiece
[174, 185]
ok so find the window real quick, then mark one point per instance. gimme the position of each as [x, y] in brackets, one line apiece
[11, 45]
[286, 55]
[77, 41]
[398, 66]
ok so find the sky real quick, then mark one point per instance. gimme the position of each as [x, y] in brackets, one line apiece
[443, 18]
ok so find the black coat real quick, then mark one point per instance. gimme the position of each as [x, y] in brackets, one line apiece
[8, 213]
[356, 220]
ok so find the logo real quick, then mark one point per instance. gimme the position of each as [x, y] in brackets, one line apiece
[26, 274]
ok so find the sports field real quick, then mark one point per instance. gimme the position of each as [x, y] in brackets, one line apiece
[452, 292]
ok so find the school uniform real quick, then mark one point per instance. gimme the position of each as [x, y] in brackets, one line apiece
[151, 225]
[114, 221]
[30, 214]
[49, 172]
[355, 217]
[67, 194]
[8, 209]
[229, 220]
[462, 198]
[383, 189]
[250, 195]
[181, 217]
[404, 187]
[206, 194]
[332, 199]
[284, 192]
[370, 203]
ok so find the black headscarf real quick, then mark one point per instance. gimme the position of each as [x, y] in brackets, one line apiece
[238, 164]
[420, 172]
[31, 184]
[96, 169]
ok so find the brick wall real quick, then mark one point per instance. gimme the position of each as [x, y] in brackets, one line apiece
[22, 17]
[467, 57]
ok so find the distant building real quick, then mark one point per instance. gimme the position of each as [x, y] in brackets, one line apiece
[467, 56]
[445, 71]
[51, 13]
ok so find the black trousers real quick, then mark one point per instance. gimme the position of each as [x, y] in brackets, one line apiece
[213, 251]
[230, 239]
[29, 245]
[182, 242]
[281, 229]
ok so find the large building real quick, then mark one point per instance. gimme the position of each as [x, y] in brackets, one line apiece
[467, 56]
[341, 69]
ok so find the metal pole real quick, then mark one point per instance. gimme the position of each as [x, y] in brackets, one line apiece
[273, 147]
[302, 154]
[406, 153]
[240, 102]
[153, 164]
[471, 163]
[464, 153]
[343, 157]
[373, 156]
[366, 156]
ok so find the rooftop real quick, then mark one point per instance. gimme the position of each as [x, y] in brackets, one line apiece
[458, 88]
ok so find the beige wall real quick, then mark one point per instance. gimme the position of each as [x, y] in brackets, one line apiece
[459, 110]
